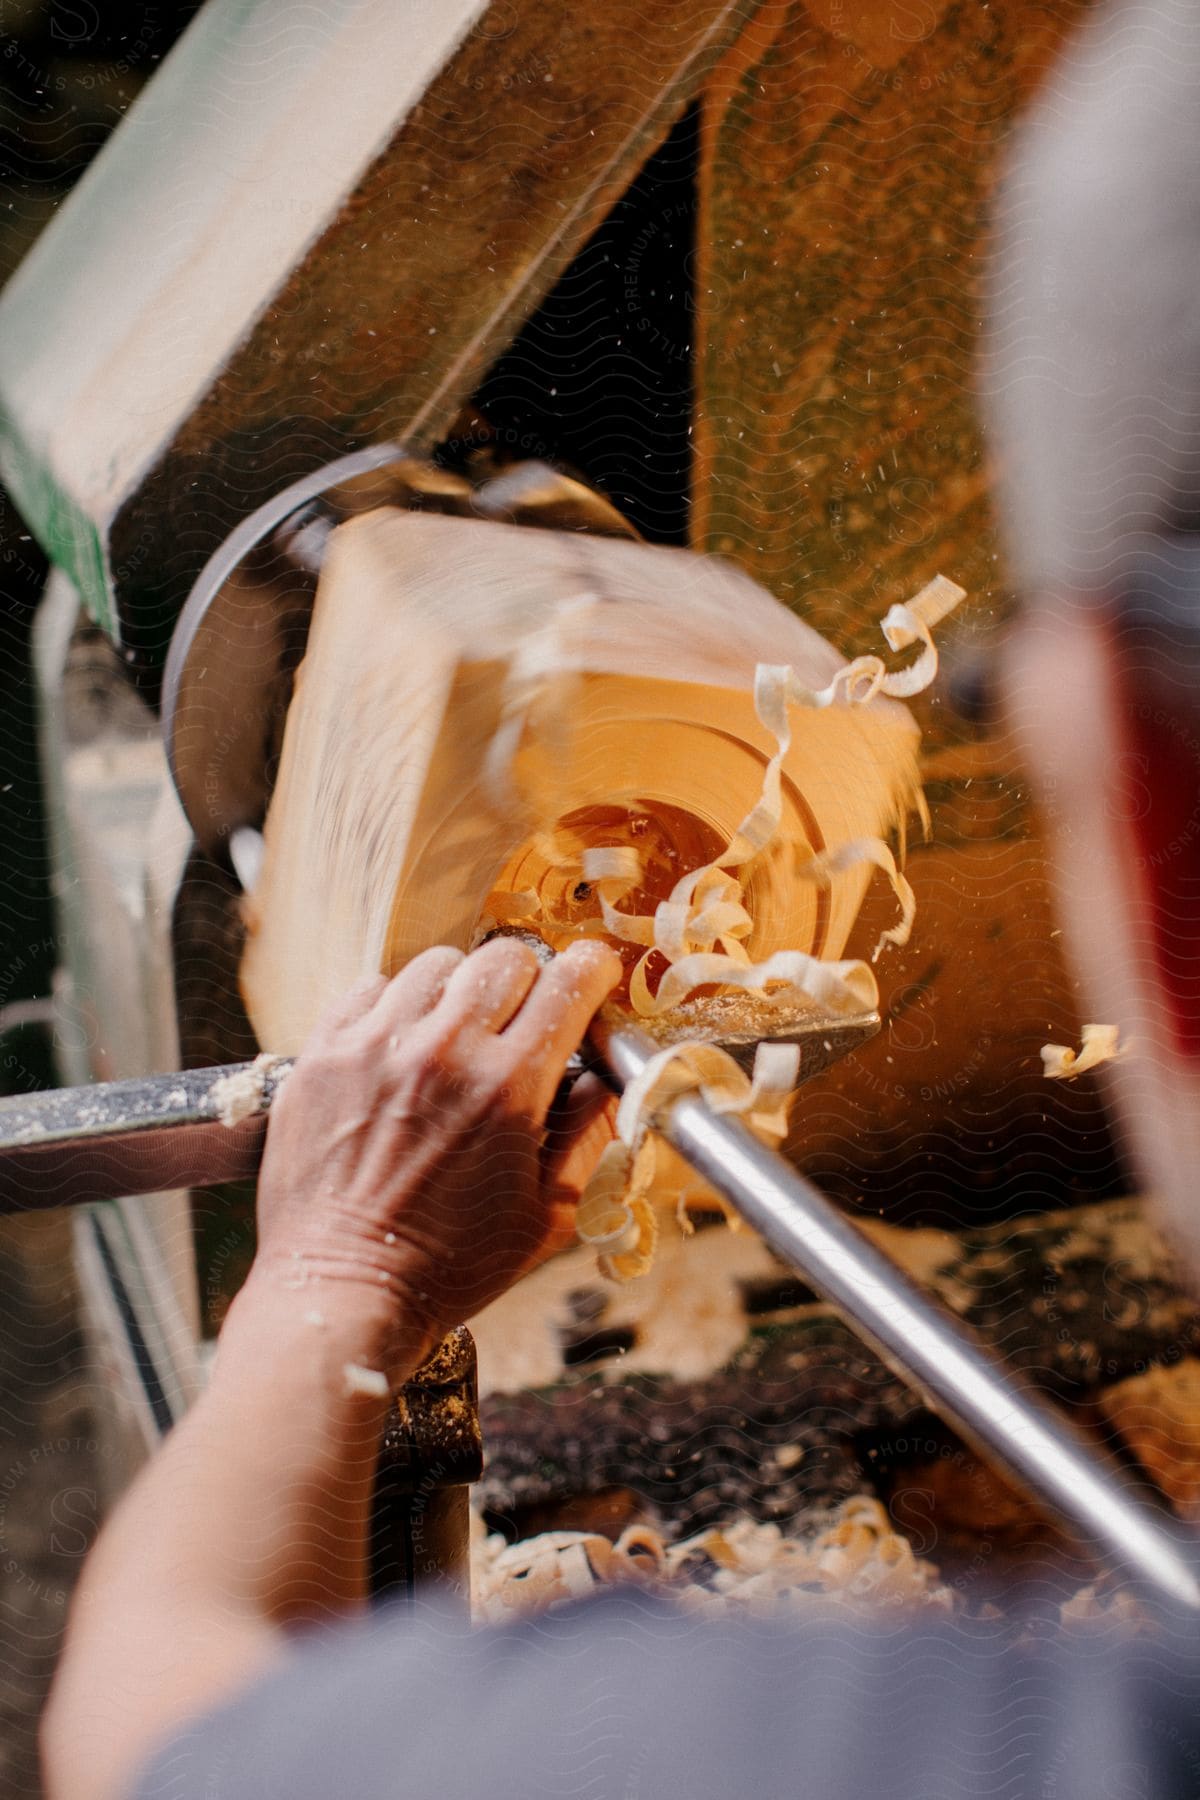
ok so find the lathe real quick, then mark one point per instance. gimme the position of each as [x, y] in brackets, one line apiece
[337, 292]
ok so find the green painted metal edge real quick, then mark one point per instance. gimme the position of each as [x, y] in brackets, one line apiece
[74, 304]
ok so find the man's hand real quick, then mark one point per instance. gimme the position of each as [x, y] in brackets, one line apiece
[410, 1176]
[409, 1159]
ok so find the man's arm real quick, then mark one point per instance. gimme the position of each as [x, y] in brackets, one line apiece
[405, 1184]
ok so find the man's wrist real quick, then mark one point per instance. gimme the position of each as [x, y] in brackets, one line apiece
[351, 1334]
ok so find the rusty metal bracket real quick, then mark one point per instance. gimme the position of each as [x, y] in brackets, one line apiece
[432, 1450]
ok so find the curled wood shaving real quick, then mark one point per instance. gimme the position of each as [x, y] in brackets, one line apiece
[912, 623]
[615, 1215]
[706, 909]
[1089, 1610]
[868, 850]
[848, 1559]
[907, 623]
[1099, 1045]
[838, 986]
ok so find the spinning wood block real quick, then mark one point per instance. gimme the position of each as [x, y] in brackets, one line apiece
[479, 704]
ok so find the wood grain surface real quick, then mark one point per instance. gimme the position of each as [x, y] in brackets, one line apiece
[516, 152]
[850, 154]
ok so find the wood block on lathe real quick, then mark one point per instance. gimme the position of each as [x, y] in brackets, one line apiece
[619, 675]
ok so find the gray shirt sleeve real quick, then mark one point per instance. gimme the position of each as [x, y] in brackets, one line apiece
[626, 1699]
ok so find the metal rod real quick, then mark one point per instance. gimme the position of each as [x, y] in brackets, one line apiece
[1013, 1428]
[70, 1146]
[85, 1144]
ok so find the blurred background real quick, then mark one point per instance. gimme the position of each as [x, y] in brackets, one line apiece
[69, 70]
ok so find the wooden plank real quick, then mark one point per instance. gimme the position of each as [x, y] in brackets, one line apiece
[849, 155]
[846, 171]
[412, 195]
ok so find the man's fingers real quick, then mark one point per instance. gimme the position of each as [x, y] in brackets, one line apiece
[553, 1020]
[546, 1010]
[561, 1232]
[415, 991]
[489, 986]
[576, 1134]
[577, 1131]
[346, 1010]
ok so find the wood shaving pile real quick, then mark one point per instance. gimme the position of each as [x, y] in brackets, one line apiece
[851, 1557]
[1091, 1610]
